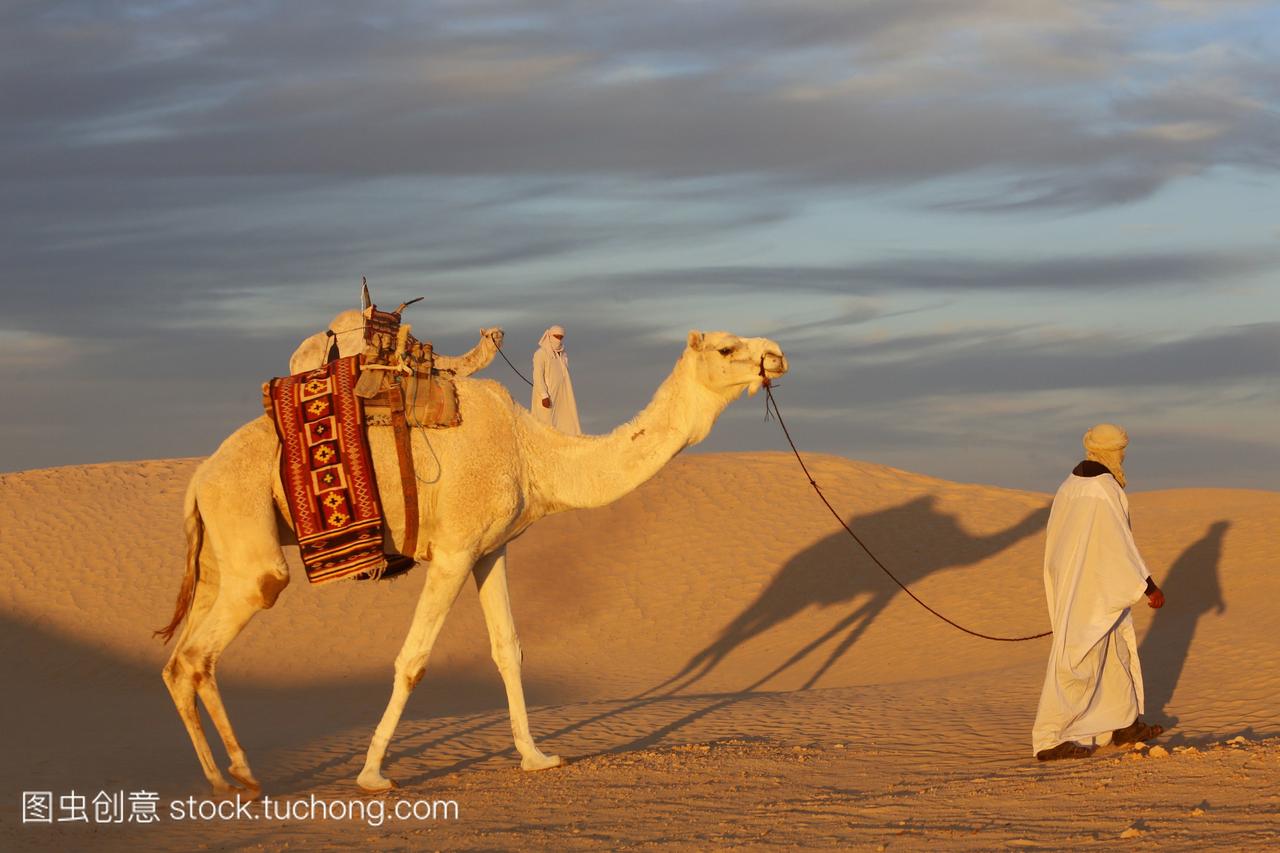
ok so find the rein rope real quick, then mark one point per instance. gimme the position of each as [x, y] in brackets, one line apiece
[513, 367]
[771, 402]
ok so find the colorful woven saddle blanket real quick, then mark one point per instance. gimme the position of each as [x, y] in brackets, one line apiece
[327, 471]
[322, 418]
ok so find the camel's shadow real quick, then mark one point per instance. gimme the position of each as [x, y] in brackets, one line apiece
[914, 540]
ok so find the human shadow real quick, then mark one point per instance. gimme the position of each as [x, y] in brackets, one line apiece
[915, 539]
[1192, 589]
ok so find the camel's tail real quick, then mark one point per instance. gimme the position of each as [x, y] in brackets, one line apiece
[195, 538]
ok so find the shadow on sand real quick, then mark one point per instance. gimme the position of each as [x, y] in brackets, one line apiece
[1193, 590]
[831, 573]
[88, 717]
[77, 715]
[915, 539]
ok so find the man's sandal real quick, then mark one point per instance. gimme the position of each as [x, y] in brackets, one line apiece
[1066, 749]
[1136, 732]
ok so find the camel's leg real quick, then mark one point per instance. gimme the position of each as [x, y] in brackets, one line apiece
[445, 577]
[261, 576]
[869, 612]
[179, 676]
[229, 622]
[859, 613]
[193, 665]
[242, 570]
[495, 599]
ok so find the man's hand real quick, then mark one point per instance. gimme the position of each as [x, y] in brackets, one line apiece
[1155, 599]
[546, 402]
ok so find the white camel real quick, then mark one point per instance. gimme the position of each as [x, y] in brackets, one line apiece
[348, 332]
[502, 471]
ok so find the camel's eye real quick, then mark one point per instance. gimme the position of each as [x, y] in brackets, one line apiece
[726, 351]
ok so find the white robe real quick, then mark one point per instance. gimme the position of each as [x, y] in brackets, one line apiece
[1093, 574]
[551, 379]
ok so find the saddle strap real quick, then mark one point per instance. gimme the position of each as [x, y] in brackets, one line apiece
[408, 481]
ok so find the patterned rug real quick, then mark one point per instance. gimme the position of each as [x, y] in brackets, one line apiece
[327, 471]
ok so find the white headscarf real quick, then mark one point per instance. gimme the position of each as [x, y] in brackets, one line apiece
[1105, 443]
[552, 344]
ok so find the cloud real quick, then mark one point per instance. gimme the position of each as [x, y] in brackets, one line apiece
[32, 351]
[187, 189]
[91, 257]
[974, 274]
[894, 94]
[1031, 360]
[1009, 405]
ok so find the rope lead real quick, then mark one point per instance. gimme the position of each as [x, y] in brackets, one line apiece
[513, 367]
[774, 403]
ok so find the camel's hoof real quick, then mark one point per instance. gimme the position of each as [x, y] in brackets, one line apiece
[252, 787]
[541, 762]
[375, 783]
[226, 789]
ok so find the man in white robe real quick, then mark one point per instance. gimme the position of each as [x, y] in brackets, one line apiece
[1093, 574]
[553, 401]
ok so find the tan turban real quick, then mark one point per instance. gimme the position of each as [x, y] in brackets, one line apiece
[1105, 443]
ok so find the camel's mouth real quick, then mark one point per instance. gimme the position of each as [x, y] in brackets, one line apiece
[772, 365]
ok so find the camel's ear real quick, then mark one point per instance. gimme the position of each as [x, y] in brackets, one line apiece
[695, 339]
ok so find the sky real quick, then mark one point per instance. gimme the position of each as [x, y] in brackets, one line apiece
[976, 227]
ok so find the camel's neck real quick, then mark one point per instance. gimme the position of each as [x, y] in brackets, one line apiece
[575, 472]
[472, 361]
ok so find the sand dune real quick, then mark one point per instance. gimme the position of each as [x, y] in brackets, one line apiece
[712, 653]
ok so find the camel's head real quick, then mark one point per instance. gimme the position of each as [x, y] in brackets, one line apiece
[348, 326]
[727, 363]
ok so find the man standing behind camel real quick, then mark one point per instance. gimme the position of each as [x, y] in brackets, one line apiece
[553, 401]
[1093, 574]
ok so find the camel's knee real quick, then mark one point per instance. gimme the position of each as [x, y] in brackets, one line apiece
[192, 666]
[185, 671]
[410, 671]
[170, 673]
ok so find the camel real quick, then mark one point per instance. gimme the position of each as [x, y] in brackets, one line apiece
[348, 331]
[501, 471]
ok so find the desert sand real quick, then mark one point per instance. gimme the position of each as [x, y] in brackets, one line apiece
[713, 656]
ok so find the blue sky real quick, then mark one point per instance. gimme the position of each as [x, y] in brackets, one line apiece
[976, 226]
